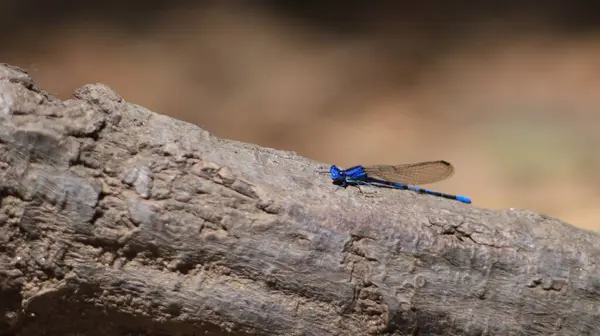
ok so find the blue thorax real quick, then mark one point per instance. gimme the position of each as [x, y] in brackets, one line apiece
[352, 173]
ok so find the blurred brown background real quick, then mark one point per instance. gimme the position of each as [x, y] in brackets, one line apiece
[506, 91]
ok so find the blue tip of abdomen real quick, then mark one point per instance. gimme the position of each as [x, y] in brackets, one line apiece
[463, 199]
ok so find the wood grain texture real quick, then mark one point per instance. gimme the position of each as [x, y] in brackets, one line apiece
[115, 220]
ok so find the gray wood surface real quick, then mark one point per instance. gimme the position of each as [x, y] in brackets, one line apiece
[115, 220]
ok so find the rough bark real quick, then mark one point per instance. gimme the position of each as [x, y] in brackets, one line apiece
[116, 220]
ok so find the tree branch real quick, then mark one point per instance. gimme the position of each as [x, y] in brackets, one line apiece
[117, 220]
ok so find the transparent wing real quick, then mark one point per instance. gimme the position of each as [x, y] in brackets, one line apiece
[412, 173]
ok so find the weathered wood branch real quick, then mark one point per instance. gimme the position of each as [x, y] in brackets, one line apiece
[117, 220]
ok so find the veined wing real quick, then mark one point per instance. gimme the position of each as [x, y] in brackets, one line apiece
[412, 173]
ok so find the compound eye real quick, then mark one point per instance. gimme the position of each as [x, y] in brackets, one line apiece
[335, 172]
